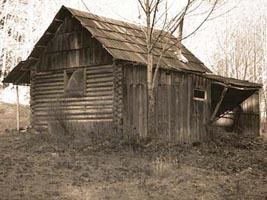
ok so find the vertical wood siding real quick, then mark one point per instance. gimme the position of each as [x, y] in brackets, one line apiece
[200, 111]
[178, 117]
[134, 100]
[249, 122]
[72, 46]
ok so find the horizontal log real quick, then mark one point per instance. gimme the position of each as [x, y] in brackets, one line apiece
[59, 94]
[49, 75]
[79, 103]
[60, 90]
[45, 85]
[75, 107]
[42, 116]
[100, 67]
[99, 71]
[47, 92]
[91, 97]
[99, 94]
[48, 80]
[44, 96]
[94, 89]
[90, 86]
[45, 123]
[96, 85]
[36, 89]
[76, 117]
[81, 99]
[60, 72]
[67, 112]
[100, 80]
[93, 76]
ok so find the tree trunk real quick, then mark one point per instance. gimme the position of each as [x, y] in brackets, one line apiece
[150, 97]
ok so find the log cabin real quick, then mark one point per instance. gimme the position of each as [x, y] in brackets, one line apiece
[92, 71]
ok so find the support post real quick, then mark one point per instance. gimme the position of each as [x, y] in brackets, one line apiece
[18, 120]
[218, 105]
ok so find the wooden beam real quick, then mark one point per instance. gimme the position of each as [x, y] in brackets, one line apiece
[218, 104]
[236, 87]
[18, 115]
[33, 58]
[49, 33]
[58, 20]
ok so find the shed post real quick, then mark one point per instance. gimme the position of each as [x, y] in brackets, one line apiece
[218, 104]
[17, 94]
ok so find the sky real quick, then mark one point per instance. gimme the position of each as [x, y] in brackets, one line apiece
[202, 43]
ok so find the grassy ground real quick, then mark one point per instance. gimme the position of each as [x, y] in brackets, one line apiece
[8, 116]
[83, 166]
[48, 167]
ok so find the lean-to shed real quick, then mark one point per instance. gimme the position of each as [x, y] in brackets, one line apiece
[91, 70]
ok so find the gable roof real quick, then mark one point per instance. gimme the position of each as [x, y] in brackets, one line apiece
[124, 41]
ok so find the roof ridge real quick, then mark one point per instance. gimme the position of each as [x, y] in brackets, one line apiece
[117, 22]
[104, 17]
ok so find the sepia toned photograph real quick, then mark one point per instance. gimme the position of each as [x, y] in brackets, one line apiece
[133, 100]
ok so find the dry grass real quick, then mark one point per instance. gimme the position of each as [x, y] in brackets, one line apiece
[37, 167]
[8, 116]
[81, 164]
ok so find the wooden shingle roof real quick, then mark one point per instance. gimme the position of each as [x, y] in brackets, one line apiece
[124, 41]
[233, 83]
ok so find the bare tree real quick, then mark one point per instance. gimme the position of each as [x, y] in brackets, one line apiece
[19, 30]
[242, 51]
[156, 13]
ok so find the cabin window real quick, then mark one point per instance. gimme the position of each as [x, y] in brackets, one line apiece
[200, 95]
[75, 83]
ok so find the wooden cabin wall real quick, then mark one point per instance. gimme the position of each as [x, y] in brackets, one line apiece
[73, 47]
[201, 109]
[249, 122]
[177, 116]
[134, 100]
[118, 98]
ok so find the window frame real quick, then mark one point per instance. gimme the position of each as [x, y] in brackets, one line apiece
[67, 78]
[198, 98]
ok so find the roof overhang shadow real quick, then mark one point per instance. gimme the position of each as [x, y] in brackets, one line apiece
[228, 93]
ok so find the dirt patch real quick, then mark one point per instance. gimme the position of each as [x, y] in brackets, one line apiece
[37, 167]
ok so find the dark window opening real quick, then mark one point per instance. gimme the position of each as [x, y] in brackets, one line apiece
[75, 83]
[199, 94]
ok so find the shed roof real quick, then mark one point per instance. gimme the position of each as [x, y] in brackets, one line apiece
[233, 83]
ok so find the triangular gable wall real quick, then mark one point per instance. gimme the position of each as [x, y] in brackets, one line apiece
[72, 46]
